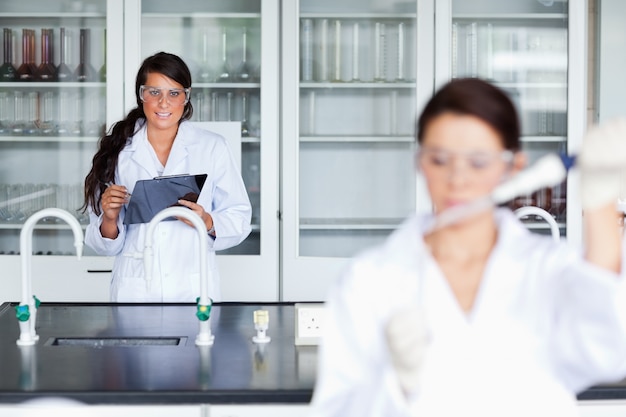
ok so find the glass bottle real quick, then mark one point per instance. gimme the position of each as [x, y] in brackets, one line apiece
[64, 73]
[32, 113]
[47, 117]
[85, 72]
[25, 71]
[8, 71]
[245, 130]
[380, 52]
[17, 127]
[244, 73]
[205, 74]
[46, 70]
[224, 72]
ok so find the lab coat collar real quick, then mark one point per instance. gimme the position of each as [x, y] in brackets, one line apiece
[143, 154]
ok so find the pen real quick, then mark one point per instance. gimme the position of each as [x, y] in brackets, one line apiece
[110, 183]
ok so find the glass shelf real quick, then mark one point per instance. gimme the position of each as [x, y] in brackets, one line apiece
[358, 84]
[352, 138]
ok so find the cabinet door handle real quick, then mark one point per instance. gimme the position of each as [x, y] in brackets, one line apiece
[99, 271]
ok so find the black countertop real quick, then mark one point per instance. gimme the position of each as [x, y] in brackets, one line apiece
[233, 370]
[176, 371]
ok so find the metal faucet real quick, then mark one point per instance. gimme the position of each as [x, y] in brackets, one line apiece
[204, 302]
[26, 311]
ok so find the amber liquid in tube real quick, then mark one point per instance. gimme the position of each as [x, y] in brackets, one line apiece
[46, 70]
[25, 70]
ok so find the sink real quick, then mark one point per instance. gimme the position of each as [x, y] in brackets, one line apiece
[97, 342]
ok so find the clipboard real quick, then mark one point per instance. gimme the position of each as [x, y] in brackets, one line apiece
[151, 196]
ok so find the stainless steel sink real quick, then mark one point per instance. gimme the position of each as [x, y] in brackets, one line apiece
[98, 342]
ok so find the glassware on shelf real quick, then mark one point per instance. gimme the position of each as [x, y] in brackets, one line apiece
[400, 53]
[307, 49]
[323, 52]
[454, 47]
[215, 102]
[7, 70]
[64, 73]
[47, 119]
[225, 73]
[244, 72]
[102, 72]
[26, 72]
[393, 112]
[69, 118]
[311, 115]
[245, 130]
[32, 114]
[6, 113]
[85, 72]
[229, 106]
[380, 52]
[355, 51]
[205, 73]
[17, 126]
[46, 70]
[91, 115]
[337, 53]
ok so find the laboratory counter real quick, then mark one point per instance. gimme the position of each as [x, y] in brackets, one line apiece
[146, 354]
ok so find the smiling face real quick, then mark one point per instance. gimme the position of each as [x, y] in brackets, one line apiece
[162, 115]
[462, 158]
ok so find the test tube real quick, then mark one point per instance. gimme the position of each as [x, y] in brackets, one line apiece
[214, 106]
[400, 45]
[355, 51]
[307, 50]
[323, 74]
[17, 127]
[380, 52]
[47, 113]
[311, 112]
[337, 66]
[6, 113]
[393, 112]
[455, 50]
[229, 106]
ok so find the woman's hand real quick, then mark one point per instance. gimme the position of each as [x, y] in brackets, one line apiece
[113, 198]
[199, 210]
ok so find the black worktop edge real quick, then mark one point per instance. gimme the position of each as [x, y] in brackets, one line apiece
[167, 398]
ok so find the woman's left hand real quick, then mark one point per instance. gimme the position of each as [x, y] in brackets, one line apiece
[199, 210]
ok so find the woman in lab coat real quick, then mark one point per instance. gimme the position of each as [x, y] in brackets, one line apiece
[483, 317]
[156, 139]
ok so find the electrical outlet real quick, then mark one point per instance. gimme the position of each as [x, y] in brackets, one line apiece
[310, 319]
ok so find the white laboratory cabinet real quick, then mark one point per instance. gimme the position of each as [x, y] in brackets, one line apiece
[365, 69]
[325, 94]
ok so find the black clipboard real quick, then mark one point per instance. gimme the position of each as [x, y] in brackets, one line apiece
[151, 196]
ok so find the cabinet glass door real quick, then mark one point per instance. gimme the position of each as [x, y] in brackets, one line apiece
[53, 109]
[233, 83]
[348, 160]
[522, 47]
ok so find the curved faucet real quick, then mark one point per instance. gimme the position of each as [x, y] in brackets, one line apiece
[26, 311]
[204, 337]
[538, 211]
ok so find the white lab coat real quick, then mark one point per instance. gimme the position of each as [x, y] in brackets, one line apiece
[545, 325]
[176, 260]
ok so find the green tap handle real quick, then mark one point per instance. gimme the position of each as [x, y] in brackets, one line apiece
[22, 313]
[203, 312]
[37, 302]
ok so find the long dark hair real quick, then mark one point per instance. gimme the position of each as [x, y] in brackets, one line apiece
[478, 98]
[104, 161]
